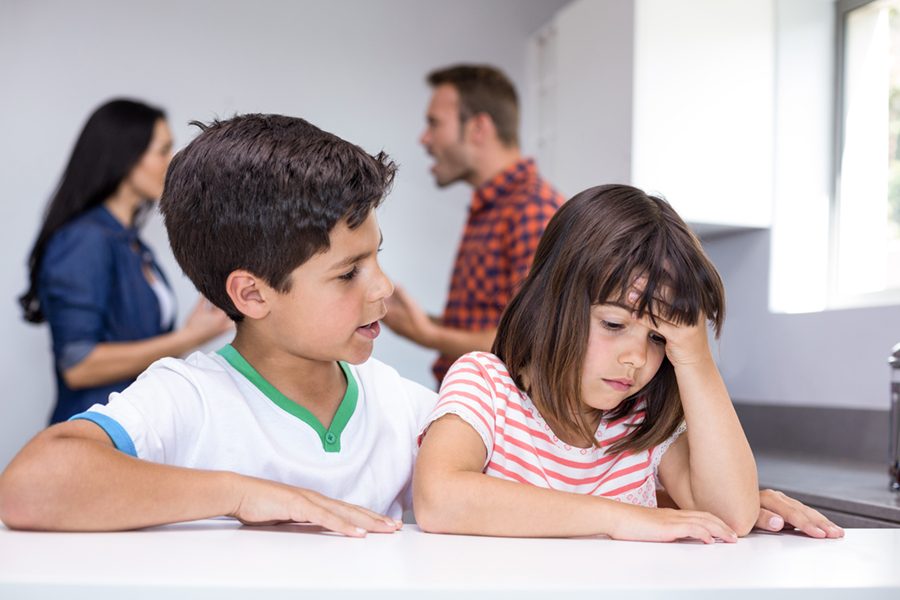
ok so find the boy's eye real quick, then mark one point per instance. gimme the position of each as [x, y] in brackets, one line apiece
[349, 275]
[611, 325]
[657, 339]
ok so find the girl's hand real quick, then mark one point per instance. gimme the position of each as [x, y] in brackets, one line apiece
[643, 524]
[778, 510]
[685, 344]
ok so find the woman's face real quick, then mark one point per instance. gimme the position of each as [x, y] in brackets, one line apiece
[149, 175]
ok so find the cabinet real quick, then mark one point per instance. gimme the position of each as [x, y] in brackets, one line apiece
[674, 97]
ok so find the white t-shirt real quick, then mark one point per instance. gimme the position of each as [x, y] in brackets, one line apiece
[214, 411]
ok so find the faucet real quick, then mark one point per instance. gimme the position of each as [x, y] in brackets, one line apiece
[894, 441]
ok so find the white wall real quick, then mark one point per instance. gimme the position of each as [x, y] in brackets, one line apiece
[353, 67]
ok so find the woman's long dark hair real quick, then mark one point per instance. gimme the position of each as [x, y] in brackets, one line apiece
[590, 253]
[111, 143]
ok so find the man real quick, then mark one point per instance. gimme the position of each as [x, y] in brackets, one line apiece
[472, 135]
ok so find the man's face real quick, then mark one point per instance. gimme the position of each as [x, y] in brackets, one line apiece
[444, 138]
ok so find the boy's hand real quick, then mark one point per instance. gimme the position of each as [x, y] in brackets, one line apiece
[668, 525]
[778, 510]
[263, 502]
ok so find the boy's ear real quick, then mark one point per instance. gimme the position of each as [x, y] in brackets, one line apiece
[248, 293]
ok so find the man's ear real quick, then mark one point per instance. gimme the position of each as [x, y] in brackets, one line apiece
[481, 128]
[248, 293]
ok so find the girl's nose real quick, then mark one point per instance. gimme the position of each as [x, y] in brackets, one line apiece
[634, 353]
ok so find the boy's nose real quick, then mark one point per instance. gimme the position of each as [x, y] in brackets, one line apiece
[384, 286]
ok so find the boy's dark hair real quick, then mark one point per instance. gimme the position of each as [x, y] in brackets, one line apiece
[591, 252]
[262, 193]
[483, 89]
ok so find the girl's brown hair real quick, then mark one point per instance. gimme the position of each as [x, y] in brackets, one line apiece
[591, 252]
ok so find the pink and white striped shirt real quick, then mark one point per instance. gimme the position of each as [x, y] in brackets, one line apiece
[522, 447]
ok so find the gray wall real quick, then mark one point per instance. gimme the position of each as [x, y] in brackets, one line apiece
[353, 67]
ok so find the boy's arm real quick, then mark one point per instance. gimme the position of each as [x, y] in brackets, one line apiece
[71, 478]
[453, 495]
[711, 466]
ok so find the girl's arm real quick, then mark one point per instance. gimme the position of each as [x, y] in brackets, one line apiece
[71, 478]
[711, 466]
[453, 495]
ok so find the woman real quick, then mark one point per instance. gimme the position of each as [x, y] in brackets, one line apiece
[110, 309]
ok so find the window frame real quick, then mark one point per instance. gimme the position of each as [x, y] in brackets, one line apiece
[835, 299]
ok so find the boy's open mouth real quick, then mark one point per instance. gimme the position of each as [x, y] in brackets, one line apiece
[370, 331]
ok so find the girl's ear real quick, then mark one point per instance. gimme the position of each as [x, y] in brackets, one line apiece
[248, 293]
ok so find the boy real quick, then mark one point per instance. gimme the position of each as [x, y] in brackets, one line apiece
[273, 220]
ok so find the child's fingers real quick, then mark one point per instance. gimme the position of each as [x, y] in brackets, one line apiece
[357, 515]
[310, 512]
[802, 517]
[769, 521]
[715, 526]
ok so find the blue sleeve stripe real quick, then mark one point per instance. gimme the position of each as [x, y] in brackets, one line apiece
[116, 432]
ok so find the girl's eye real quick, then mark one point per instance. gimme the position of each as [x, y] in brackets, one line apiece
[349, 275]
[612, 326]
[657, 339]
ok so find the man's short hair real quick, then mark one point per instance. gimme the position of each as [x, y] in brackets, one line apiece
[483, 89]
[262, 193]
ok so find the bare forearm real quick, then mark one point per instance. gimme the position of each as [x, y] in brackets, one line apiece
[109, 362]
[722, 469]
[477, 504]
[72, 484]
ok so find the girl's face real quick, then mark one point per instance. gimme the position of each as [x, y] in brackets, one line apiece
[149, 175]
[623, 354]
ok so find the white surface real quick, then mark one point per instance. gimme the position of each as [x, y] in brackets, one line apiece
[221, 559]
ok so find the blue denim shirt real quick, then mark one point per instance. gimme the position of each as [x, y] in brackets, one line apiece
[92, 289]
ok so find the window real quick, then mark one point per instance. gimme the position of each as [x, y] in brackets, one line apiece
[865, 265]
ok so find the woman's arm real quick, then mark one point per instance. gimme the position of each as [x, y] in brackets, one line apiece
[71, 478]
[452, 495]
[109, 362]
[711, 466]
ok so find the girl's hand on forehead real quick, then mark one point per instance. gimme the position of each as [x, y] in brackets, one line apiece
[685, 344]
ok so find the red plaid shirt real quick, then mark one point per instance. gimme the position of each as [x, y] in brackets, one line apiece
[506, 219]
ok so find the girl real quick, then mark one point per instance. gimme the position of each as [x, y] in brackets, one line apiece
[110, 310]
[601, 385]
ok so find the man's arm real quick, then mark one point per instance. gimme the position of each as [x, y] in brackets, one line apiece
[407, 318]
[71, 478]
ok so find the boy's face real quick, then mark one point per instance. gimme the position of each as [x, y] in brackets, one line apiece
[336, 298]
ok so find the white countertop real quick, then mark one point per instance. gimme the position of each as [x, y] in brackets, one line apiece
[221, 559]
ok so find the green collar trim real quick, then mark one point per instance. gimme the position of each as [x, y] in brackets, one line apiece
[331, 437]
